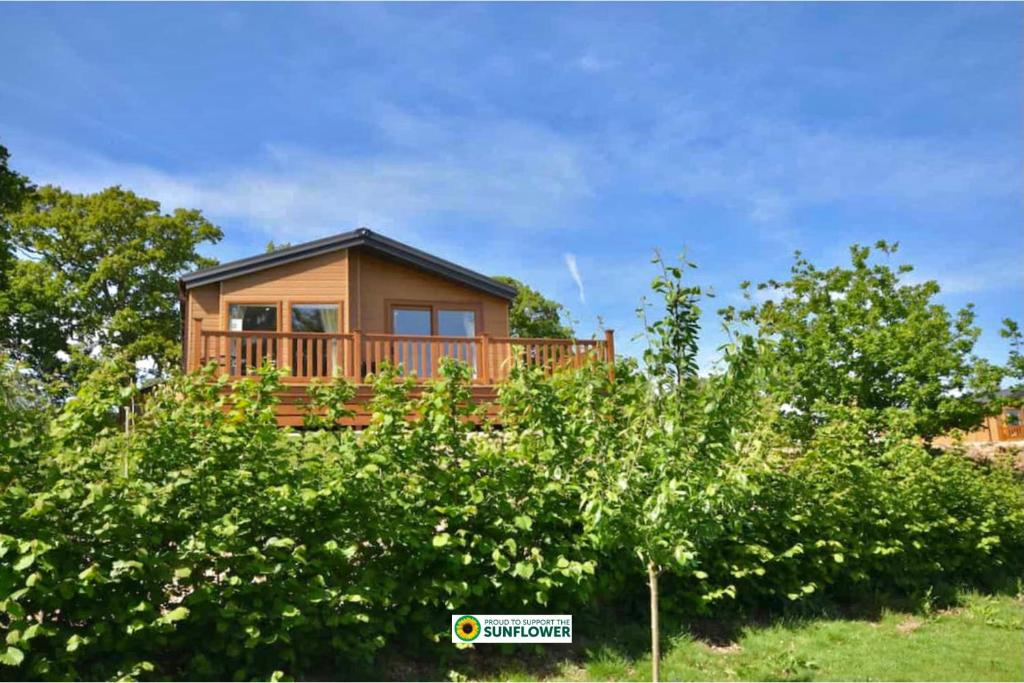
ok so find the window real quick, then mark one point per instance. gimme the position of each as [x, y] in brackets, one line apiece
[411, 321]
[439, 320]
[415, 357]
[256, 317]
[457, 323]
[313, 357]
[249, 352]
[314, 317]
[451, 323]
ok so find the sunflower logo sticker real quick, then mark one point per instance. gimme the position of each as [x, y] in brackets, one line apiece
[467, 628]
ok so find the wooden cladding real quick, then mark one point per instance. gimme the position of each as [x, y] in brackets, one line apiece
[356, 355]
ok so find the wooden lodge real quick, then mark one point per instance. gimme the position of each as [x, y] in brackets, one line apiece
[345, 304]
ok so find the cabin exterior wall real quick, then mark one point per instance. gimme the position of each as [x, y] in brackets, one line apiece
[378, 284]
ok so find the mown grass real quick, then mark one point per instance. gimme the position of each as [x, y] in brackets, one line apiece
[981, 639]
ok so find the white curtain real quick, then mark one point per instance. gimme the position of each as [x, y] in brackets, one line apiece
[329, 318]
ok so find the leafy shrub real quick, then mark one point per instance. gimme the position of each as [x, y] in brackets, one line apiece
[205, 542]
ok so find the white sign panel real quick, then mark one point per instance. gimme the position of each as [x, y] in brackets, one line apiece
[511, 628]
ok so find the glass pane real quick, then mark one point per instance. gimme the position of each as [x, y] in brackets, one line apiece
[245, 317]
[411, 321]
[456, 323]
[414, 357]
[315, 318]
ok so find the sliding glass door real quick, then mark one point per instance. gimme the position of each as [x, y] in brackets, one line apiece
[417, 356]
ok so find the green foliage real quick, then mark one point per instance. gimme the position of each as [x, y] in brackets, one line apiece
[14, 188]
[862, 337]
[273, 246]
[207, 543]
[534, 315]
[1015, 363]
[99, 274]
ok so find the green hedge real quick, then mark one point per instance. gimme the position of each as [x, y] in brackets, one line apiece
[208, 543]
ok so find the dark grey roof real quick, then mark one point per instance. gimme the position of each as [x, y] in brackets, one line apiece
[363, 237]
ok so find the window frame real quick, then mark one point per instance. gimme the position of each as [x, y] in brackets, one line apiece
[434, 307]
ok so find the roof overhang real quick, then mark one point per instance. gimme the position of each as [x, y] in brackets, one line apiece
[362, 237]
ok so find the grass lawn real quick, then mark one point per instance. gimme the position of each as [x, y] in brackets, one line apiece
[982, 639]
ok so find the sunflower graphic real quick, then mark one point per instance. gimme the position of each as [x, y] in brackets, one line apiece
[467, 628]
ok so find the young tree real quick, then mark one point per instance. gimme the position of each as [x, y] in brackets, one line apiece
[99, 277]
[862, 337]
[669, 492]
[534, 315]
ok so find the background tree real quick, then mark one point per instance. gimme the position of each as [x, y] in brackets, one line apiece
[534, 315]
[277, 246]
[1015, 363]
[14, 188]
[98, 277]
[862, 337]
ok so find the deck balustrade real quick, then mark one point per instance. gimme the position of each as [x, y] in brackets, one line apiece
[355, 355]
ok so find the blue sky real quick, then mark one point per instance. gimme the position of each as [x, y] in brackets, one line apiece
[516, 138]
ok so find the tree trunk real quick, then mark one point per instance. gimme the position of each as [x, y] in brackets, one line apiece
[652, 582]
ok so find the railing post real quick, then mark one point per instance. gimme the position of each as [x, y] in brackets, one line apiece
[609, 352]
[283, 350]
[435, 357]
[484, 360]
[196, 345]
[357, 356]
[224, 345]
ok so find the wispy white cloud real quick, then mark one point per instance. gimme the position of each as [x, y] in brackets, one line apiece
[574, 271]
[967, 277]
[593, 63]
[511, 173]
[770, 169]
[524, 173]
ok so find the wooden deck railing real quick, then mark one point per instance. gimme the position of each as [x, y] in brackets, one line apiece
[355, 355]
[1010, 432]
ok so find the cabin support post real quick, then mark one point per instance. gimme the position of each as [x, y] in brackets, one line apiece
[357, 356]
[195, 347]
[484, 360]
[283, 346]
[609, 352]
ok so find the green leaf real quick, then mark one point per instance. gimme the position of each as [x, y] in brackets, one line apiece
[441, 540]
[500, 561]
[12, 656]
[524, 522]
[176, 614]
[523, 569]
[682, 555]
[74, 642]
[90, 573]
